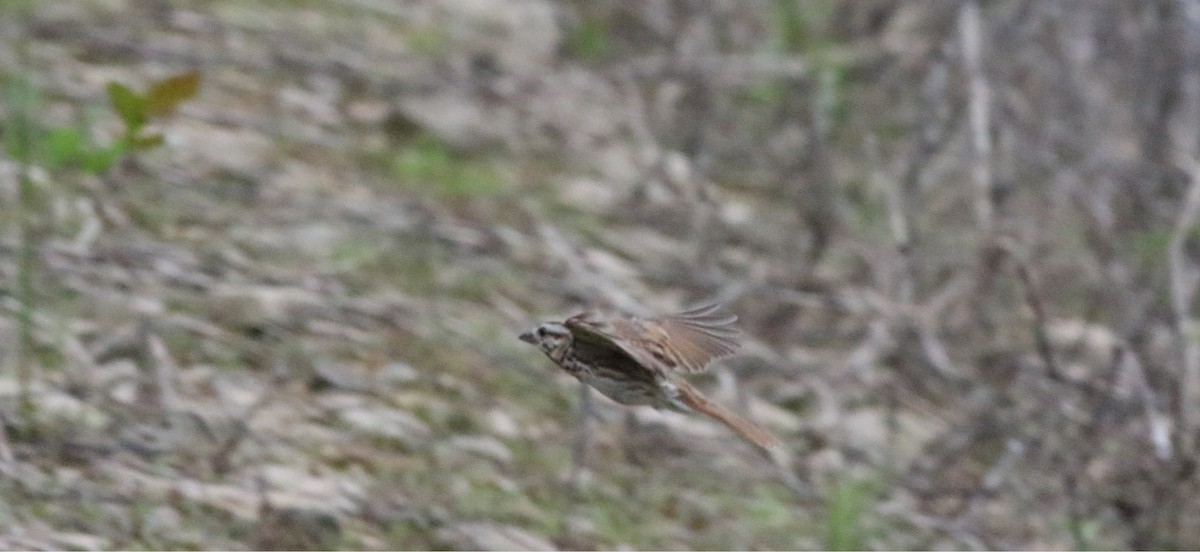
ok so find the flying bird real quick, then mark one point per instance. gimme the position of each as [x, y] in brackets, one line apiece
[642, 361]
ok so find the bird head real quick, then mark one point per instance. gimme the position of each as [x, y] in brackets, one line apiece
[551, 338]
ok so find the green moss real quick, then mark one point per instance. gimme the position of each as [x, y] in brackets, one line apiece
[619, 524]
[589, 41]
[770, 509]
[766, 93]
[427, 40]
[429, 167]
[847, 507]
[16, 8]
[1151, 246]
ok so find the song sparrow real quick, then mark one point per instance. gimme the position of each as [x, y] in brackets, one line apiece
[640, 361]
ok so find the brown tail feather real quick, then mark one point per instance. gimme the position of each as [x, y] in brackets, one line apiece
[748, 430]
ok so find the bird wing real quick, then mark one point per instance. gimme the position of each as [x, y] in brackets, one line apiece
[685, 342]
[699, 336]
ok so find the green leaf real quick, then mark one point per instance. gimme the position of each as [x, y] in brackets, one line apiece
[99, 160]
[165, 95]
[129, 105]
[64, 146]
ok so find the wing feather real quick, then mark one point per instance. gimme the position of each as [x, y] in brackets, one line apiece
[686, 342]
[700, 336]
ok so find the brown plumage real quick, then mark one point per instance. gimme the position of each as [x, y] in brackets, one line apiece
[641, 361]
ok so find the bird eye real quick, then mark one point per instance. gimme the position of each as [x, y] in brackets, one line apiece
[541, 332]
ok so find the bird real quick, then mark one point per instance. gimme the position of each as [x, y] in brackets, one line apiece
[642, 361]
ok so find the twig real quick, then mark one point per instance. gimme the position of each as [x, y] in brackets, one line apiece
[8, 466]
[879, 338]
[932, 523]
[165, 368]
[220, 459]
[1159, 432]
[1029, 283]
[935, 352]
[898, 220]
[971, 32]
[1183, 290]
[583, 439]
[578, 459]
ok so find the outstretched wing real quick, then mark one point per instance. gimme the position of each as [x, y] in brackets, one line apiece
[686, 342]
[699, 336]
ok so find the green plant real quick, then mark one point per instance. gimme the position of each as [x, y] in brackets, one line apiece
[21, 101]
[1084, 533]
[589, 41]
[429, 165]
[136, 110]
[56, 149]
[846, 507]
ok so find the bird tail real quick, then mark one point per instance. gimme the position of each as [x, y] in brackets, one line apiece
[696, 400]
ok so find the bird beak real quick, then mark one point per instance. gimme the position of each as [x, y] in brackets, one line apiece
[527, 337]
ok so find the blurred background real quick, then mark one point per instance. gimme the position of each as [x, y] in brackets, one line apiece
[262, 266]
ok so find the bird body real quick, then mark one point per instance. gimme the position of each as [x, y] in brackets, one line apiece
[641, 361]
